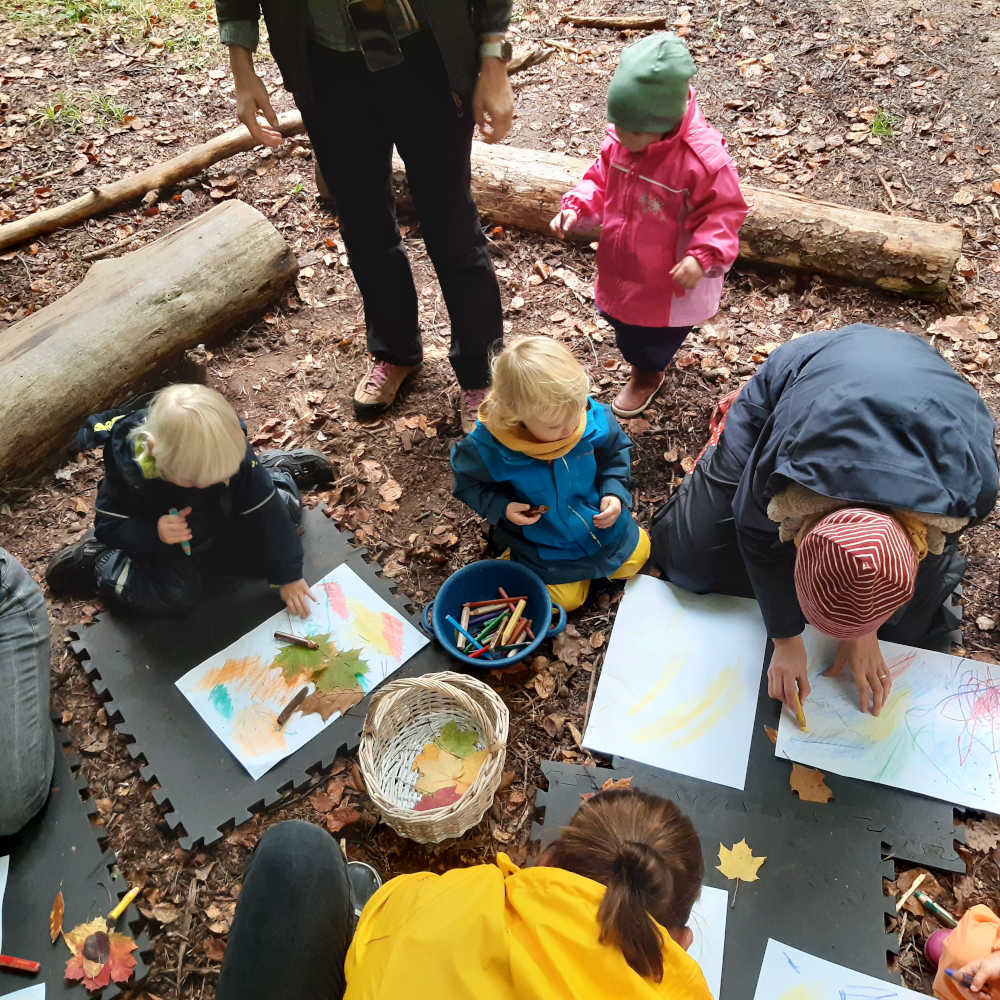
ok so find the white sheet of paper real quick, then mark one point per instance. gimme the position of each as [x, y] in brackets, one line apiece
[36, 992]
[679, 684]
[708, 924]
[4, 869]
[241, 690]
[790, 974]
[938, 734]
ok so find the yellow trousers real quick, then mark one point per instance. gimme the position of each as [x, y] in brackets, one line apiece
[572, 595]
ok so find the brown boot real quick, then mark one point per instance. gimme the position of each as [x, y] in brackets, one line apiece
[637, 393]
[377, 391]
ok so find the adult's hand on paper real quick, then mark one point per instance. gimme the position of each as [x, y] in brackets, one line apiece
[173, 528]
[296, 596]
[983, 972]
[252, 99]
[787, 679]
[515, 513]
[611, 508]
[867, 665]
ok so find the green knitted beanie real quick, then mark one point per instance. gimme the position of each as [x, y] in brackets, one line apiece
[649, 90]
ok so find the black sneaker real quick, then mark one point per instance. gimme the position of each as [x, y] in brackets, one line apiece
[306, 466]
[365, 882]
[72, 570]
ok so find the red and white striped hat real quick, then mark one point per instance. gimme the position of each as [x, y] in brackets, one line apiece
[853, 570]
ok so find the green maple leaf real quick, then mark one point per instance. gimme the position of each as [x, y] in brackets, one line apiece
[460, 742]
[293, 660]
[341, 672]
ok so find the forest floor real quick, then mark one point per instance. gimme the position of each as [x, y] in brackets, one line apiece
[888, 105]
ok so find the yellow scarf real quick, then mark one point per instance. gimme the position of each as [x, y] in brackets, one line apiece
[518, 439]
[916, 530]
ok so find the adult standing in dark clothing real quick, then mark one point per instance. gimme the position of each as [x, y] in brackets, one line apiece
[845, 470]
[367, 75]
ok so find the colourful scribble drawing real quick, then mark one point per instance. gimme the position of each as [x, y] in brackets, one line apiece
[938, 734]
[241, 691]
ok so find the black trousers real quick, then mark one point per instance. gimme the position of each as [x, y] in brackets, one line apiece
[294, 921]
[354, 117]
[649, 348]
[694, 543]
[172, 583]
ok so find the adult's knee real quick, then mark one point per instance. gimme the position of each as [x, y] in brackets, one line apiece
[295, 850]
[24, 790]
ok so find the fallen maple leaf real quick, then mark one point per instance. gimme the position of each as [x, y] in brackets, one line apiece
[340, 817]
[341, 672]
[460, 742]
[438, 800]
[56, 917]
[294, 660]
[99, 956]
[329, 703]
[739, 862]
[809, 783]
[438, 769]
[471, 766]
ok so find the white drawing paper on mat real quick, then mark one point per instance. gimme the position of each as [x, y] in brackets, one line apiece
[790, 974]
[708, 924]
[679, 684]
[4, 869]
[36, 992]
[938, 734]
[241, 691]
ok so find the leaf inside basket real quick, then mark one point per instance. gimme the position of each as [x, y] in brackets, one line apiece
[441, 770]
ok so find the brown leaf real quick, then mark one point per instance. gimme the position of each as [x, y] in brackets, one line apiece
[964, 196]
[544, 684]
[772, 734]
[390, 491]
[165, 912]
[213, 949]
[983, 834]
[597, 640]
[56, 917]
[79, 165]
[567, 646]
[329, 703]
[553, 723]
[809, 783]
[97, 743]
[576, 734]
[962, 326]
[611, 783]
[343, 816]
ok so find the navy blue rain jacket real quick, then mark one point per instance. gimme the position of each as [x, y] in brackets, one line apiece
[563, 546]
[129, 505]
[863, 414]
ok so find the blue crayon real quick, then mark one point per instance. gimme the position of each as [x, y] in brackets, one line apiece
[966, 980]
[475, 642]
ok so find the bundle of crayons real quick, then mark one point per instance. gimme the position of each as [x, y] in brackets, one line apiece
[494, 629]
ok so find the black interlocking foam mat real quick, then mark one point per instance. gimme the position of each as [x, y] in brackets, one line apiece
[58, 850]
[133, 664]
[819, 890]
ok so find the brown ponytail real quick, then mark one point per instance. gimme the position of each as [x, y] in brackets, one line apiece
[646, 851]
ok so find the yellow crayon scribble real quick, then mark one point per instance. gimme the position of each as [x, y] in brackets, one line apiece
[256, 732]
[890, 722]
[369, 626]
[714, 705]
[247, 675]
[669, 675]
[812, 991]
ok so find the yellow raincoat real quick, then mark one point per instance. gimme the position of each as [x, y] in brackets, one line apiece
[495, 932]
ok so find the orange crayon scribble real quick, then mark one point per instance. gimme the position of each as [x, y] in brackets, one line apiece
[256, 732]
[247, 675]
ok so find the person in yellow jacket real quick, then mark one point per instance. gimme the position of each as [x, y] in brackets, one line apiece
[603, 914]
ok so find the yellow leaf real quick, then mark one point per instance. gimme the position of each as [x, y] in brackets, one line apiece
[471, 767]
[739, 862]
[438, 768]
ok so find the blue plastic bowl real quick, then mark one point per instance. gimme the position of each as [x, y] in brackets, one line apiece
[479, 582]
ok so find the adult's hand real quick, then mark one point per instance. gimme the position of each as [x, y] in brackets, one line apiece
[493, 101]
[252, 99]
[787, 679]
[867, 665]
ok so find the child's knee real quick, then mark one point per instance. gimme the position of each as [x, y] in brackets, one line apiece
[569, 596]
[635, 562]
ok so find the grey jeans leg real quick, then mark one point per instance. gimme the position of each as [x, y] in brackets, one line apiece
[26, 741]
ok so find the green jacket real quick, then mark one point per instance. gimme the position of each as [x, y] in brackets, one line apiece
[457, 26]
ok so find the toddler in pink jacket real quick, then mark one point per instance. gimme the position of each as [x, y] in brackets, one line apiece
[665, 196]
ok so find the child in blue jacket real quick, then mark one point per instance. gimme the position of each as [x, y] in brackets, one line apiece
[541, 442]
[184, 497]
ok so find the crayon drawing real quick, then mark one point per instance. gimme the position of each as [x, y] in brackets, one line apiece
[679, 684]
[938, 734]
[790, 974]
[243, 692]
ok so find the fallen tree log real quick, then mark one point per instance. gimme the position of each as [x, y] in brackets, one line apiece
[523, 187]
[128, 317]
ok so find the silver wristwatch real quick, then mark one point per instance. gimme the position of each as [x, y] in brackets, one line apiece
[496, 50]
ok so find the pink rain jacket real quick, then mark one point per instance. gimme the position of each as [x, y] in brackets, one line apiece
[679, 196]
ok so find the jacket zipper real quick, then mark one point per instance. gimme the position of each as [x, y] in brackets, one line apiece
[573, 510]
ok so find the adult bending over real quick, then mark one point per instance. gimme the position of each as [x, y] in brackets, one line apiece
[367, 75]
[845, 469]
[605, 914]
[26, 741]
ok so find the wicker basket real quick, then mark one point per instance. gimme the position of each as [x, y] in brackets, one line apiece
[403, 717]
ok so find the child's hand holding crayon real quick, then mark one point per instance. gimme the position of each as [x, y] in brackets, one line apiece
[563, 222]
[980, 974]
[173, 528]
[611, 507]
[296, 596]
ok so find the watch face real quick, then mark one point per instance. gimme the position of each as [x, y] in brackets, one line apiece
[506, 51]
